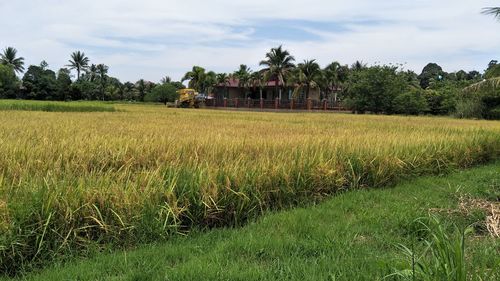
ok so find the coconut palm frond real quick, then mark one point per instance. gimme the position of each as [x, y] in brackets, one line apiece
[494, 11]
[485, 84]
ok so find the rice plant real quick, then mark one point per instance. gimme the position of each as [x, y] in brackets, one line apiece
[50, 106]
[72, 182]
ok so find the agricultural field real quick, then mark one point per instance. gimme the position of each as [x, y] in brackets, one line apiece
[75, 182]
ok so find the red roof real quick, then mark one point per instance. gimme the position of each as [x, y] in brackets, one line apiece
[234, 83]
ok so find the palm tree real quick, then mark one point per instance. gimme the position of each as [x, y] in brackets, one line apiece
[257, 79]
[128, 89]
[92, 73]
[334, 76]
[223, 79]
[309, 73]
[166, 80]
[196, 78]
[243, 76]
[209, 82]
[79, 62]
[9, 57]
[495, 11]
[141, 88]
[358, 65]
[278, 63]
[102, 71]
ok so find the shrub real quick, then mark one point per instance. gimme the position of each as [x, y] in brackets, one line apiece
[162, 93]
[411, 102]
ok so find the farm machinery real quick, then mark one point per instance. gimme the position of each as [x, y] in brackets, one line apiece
[189, 98]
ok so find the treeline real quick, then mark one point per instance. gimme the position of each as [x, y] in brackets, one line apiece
[386, 89]
[390, 90]
[92, 82]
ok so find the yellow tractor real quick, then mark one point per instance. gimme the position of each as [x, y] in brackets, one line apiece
[190, 98]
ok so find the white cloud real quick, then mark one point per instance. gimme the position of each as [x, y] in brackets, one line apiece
[152, 38]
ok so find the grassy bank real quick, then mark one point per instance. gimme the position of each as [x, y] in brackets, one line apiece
[352, 236]
[71, 183]
[52, 106]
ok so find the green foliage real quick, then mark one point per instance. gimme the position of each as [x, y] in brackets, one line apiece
[277, 65]
[308, 74]
[469, 107]
[374, 89]
[142, 88]
[162, 93]
[443, 258]
[481, 100]
[85, 90]
[197, 79]
[430, 72]
[79, 62]
[412, 102]
[244, 76]
[442, 101]
[8, 82]
[9, 58]
[493, 71]
[40, 83]
[63, 84]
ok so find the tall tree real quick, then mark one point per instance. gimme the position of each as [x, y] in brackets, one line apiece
[243, 76]
[129, 91]
[196, 77]
[63, 83]
[309, 73]
[92, 73]
[40, 83]
[223, 80]
[9, 57]
[430, 72]
[335, 75]
[8, 82]
[78, 62]
[102, 71]
[141, 88]
[278, 63]
[209, 82]
[257, 79]
[358, 65]
[166, 80]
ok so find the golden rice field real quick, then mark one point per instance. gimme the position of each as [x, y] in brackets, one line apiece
[71, 182]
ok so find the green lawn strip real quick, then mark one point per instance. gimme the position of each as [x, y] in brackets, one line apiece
[351, 236]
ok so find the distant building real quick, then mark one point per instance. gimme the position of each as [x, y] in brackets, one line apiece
[233, 90]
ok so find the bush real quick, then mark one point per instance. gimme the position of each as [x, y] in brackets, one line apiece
[412, 102]
[162, 93]
[469, 108]
[8, 82]
[374, 89]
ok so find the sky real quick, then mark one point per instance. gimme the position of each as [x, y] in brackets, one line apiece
[151, 39]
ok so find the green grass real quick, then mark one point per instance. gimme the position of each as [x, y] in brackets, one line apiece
[53, 106]
[352, 236]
